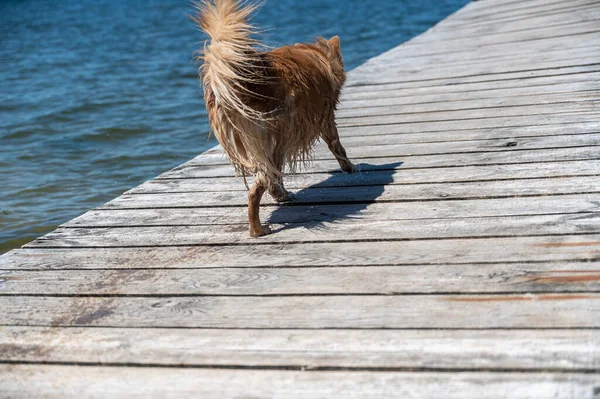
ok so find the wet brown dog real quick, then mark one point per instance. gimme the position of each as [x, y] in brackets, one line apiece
[267, 108]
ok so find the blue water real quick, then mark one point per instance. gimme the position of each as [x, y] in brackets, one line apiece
[98, 96]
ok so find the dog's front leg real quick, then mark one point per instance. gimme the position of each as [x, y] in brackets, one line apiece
[280, 194]
[333, 142]
[254, 197]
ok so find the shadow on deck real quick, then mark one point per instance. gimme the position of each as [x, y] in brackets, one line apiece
[349, 202]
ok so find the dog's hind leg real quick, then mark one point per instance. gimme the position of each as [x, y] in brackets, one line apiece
[254, 197]
[332, 138]
[276, 188]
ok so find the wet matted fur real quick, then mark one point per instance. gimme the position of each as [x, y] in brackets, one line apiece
[267, 108]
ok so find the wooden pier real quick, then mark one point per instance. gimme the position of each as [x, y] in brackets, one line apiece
[462, 262]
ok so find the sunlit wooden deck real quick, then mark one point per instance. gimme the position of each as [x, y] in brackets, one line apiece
[462, 262]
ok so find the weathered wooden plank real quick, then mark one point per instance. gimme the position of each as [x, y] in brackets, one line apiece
[25, 381]
[580, 90]
[493, 37]
[517, 59]
[497, 278]
[442, 150]
[365, 147]
[416, 252]
[482, 67]
[424, 57]
[462, 75]
[489, 134]
[394, 211]
[536, 23]
[480, 18]
[491, 6]
[344, 311]
[368, 194]
[532, 35]
[309, 349]
[509, 78]
[490, 28]
[418, 63]
[503, 6]
[475, 114]
[449, 175]
[537, 17]
[421, 61]
[481, 70]
[493, 96]
[366, 108]
[498, 7]
[348, 229]
[468, 125]
[368, 150]
[199, 167]
[462, 126]
[468, 90]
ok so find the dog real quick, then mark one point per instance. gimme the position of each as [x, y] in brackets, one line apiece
[267, 108]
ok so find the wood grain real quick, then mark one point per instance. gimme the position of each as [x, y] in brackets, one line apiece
[368, 149]
[351, 228]
[516, 278]
[117, 382]
[367, 108]
[197, 169]
[493, 96]
[371, 193]
[439, 349]
[573, 310]
[450, 251]
[395, 176]
[397, 211]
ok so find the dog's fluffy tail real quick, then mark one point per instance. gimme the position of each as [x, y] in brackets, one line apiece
[230, 56]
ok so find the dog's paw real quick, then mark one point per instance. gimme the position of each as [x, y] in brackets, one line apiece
[349, 167]
[264, 230]
[288, 197]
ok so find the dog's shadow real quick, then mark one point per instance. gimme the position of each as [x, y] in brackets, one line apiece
[340, 196]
